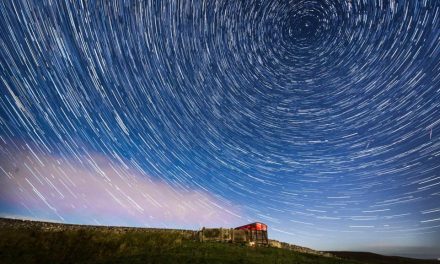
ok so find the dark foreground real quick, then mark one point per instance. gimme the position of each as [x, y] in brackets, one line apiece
[368, 257]
[39, 242]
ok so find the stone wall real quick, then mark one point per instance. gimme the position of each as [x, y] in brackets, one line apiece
[54, 227]
[275, 243]
[223, 235]
[284, 245]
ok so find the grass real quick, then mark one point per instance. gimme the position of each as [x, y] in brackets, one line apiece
[25, 245]
[368, 257]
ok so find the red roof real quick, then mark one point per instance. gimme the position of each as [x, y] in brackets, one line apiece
[253, 226]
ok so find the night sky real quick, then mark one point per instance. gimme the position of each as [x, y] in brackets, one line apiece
[320, 118]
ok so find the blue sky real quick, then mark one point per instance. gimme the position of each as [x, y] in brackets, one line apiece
[319, 118]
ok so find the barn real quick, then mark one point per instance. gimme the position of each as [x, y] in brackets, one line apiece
[257, 232]
[253, 234]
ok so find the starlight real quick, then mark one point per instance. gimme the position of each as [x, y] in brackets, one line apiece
[320, 118]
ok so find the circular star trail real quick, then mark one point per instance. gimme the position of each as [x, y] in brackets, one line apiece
[318, 117]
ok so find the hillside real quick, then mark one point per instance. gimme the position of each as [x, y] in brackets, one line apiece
[379, 259]
[41, 242]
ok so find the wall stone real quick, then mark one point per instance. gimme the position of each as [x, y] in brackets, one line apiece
[56, 227]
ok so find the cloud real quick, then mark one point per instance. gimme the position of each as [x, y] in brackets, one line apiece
[95, 189]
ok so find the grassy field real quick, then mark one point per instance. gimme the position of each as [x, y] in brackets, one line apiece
[25, 245]
[39, 242]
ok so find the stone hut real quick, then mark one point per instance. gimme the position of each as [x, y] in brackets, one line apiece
[251, 234]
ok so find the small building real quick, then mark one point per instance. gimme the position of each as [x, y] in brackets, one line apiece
[257, 232]
[251, 234]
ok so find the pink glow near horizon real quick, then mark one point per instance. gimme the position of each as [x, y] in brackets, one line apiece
[96, 190]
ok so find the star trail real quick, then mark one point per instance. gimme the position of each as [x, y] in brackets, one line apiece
[320, 118]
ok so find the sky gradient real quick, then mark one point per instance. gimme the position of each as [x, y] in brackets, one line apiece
[320, 118]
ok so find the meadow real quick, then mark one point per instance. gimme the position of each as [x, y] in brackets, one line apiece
[39, 242]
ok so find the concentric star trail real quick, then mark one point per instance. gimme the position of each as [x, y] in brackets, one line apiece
[320, 118]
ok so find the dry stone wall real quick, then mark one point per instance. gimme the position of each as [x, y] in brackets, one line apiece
[223, 235]
[56, 227]
[284, 245]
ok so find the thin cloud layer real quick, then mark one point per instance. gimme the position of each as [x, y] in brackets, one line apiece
[94, 189]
